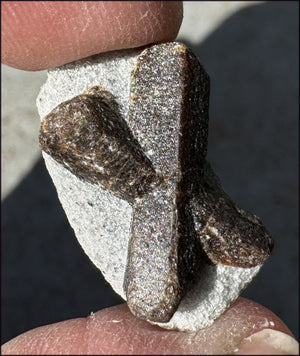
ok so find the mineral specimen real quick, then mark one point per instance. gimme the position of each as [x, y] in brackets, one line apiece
[88, 136]
[151, 153]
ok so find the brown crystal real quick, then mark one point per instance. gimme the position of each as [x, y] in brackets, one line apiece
[155, 158]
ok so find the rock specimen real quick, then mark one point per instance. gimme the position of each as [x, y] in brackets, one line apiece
[124, 137]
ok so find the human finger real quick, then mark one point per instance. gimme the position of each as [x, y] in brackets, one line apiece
[116, 331]
[44, 34]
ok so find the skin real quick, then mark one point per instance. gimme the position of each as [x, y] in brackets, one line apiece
[41, 35]
[116, 331]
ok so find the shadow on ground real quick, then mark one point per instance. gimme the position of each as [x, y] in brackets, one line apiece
[252, 60]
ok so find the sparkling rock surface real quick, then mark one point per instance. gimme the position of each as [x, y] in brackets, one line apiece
[168, 114]
[88, 135]
[129, 156]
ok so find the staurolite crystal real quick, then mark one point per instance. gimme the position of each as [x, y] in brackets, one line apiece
[154, 158]
[88, 136]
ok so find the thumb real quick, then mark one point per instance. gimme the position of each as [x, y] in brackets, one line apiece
[116, 331]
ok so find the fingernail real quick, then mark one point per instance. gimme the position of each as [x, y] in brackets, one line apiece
[268, 342]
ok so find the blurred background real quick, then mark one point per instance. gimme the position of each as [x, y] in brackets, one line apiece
[250, 51]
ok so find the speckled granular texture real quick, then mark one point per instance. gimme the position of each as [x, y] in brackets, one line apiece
[88, 135]
[160, 263]
[229, 235]
[100, 220]
[170, 122]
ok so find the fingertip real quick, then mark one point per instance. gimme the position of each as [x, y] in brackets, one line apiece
[38, 34]
[116, 331]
